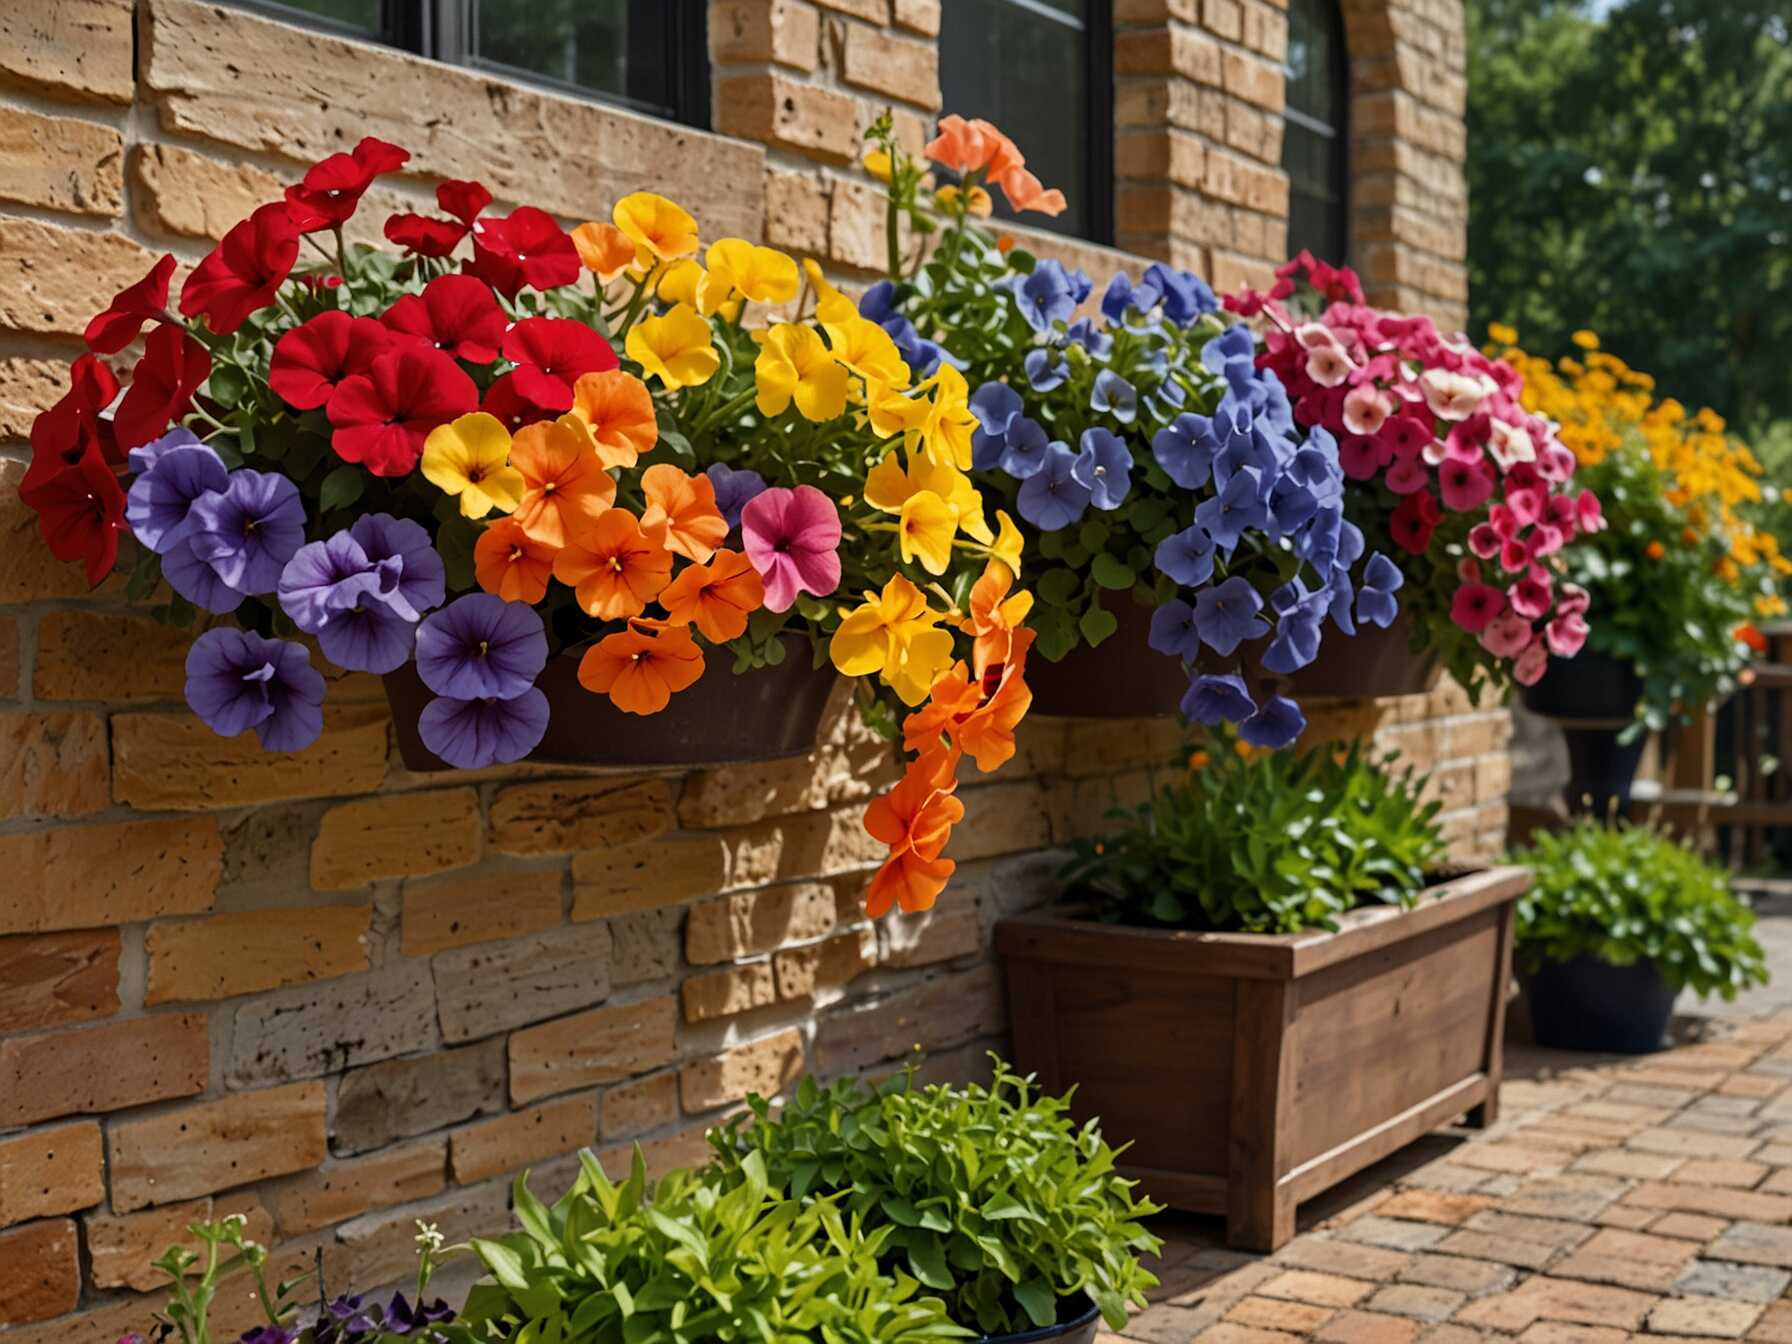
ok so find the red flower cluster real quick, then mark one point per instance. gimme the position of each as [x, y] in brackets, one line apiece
[1442, 427]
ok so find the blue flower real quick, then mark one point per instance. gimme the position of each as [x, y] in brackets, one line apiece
[1115, 395]
[1316, 461]
[248, 531]
[1081, 286]
[1186, 556]
[1105, 466]
[1226, 615]
[1275, 725]
[1185, 448]
[1121, 295]
[879, 302]
[1092, 338]
[1297, 637]
[1173, 630]
[1236, 508]
[160, 505]
[1186, 296]
[1350, 544]
[1044, 297]
[1235, 342]
[1169, 397]
[735, 488]
[1375, 600]
[1024, 450]
[995, 405]
[1217, 699]
[1052, 497]
[1046, 369]
[1291, 506]
[1340, 594]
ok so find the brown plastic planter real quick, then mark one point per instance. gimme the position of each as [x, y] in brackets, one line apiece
[761, 715]
[1373, 662]
[1252, 1071]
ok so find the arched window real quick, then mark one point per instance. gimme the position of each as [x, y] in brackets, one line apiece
[1315, 139]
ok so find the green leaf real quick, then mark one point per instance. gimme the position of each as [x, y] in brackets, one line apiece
[1059, 587]
[927, 1260]
[341, 488]
[226, 385]
[1038, 1300]
[1111, 573]
[1097, 624]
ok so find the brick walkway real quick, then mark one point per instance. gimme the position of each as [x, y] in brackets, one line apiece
[1616, 1199]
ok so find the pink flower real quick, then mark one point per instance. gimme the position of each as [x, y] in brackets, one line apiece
[1453, 396]
[1468, 570]
[1509, 444]
[1314, 336]
[1407, 475]
[1514, 555]
[1327, 365]
[1530, 596]
[1504, 522]
[1545, 539]
[1484, 541]
[1556, 464]
[792, 539]
[1365, 409]
[1566, 634]
[1573, 599]
[1507, 635]
[1588, 513]
[1526, 506]
[1406, 435]
[1463, 486]
[1475, 605]
[1528, 670]
[1361, 458]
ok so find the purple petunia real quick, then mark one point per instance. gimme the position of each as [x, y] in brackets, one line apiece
[1105, 466]
[363, 607]
[1186, 556]
[1275, 725]
[1053, 497]
[249, 530]
[1185, 449]
[1226, 615]
[1375, 600]
[481, 647]
[1217, 699]
[238, 680]
[1024, 449]
[324, 579]
[474, 733]
[1173, 630]
[159, 507]
[1229, 514]
[735, 489]
[145, 456]
[412, 577]
[1045, 296]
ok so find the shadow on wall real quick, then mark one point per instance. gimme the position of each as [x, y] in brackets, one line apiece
[1539, 760]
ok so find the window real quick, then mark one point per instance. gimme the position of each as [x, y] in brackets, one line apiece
[1042, 70]
[648, 55]
[1315, 146]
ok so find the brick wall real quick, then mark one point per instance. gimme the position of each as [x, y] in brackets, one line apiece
[336, 996]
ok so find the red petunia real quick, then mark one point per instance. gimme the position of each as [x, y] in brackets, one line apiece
[425, 236]
[1414, 521]
[332, 187]
[550, 353]
[524, 248]
[311, 359]
[62, 435]
[80, 510]
[242, 274]
[131, 307]
[382, 417]
[456, 314]
[504, 399]
[162, 386]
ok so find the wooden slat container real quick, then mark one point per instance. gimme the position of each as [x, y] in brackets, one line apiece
[1252, 1071]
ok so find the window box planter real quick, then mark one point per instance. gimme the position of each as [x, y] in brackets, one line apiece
[761, 715]
[1250, 1072]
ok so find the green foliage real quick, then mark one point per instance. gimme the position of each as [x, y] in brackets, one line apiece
[1626, 894]
[194, 1279]
[1631, 174]
[1265, 842]
[691, 1259]
[991, 1197]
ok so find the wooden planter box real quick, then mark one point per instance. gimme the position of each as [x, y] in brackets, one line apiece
[1252, 1071]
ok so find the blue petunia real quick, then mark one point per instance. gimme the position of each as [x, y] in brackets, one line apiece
[1375, 600]
[1185, 448]
[1340, 596]
[1236, 509]
[1275, 725]
[1115, 396]
[1122, 296]
[1296, 641]
[1186, 556]
[1046, 369]
[1186, 296]
[1218, 699]
[1025, 449]
[1052, 497]
[1291, 506]
[1226, 615]
[1173, 630]
[1235, 342]
[1092, 338]
[1105, 466]
[1044, 297]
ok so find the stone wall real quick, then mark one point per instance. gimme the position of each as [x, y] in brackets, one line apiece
[334, 995]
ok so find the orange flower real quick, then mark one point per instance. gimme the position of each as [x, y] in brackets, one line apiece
[617, 409]
[1005, 243]
[681, 512]
[717, 597]
[994, 616]
[605, 249]
[1026, 192]
[613, 567]
[915, 819]
[1655, 550]
[565, 485]
[642, 667]
[511, 565]
[1752, 637]
[971, 714]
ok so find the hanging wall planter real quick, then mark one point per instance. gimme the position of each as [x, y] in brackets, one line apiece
[760, 715]
[1372, 663]
[1125, 678]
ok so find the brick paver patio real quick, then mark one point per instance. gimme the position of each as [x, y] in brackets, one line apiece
[1616, 1199]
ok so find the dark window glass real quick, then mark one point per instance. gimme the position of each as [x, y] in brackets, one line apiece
[646, 54]
[1040, 69]
[1315, 147]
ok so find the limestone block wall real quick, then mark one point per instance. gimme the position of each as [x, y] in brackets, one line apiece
[336, 996]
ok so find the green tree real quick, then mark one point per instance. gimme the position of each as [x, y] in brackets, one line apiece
[1630, 170]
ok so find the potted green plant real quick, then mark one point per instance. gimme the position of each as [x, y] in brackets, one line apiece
[1619, 921]
[1262, 982]
[990, 1196]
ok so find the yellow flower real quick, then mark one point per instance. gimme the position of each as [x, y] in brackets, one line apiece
[877, 163]
[830, 304]
[894, 634]
[889, 487]
[760, 274]
[1007, 545]
[470, 457]
[946, 432]
[1770, 605]
[675, 348]
[1586, 340]
[893, 412]
[678, 282]
[866, 349]
[1501, 334]
[925, 529]
[657, 227]
[794, 364]
[977, 203]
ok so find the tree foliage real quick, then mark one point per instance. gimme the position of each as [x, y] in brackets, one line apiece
[1630, 170]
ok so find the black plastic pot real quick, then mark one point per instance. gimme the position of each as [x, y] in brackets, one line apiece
[1589, 687]
[1588, 1004]
[1601, 769]
[1078, 1329]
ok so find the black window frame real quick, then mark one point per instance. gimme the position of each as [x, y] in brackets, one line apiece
[1334, 127]
[1097, 28]
[675, 38]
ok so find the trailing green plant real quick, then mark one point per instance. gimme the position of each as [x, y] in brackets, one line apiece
[1263, 842]
[692, 1258]
[992, 1197]
[1626, 894]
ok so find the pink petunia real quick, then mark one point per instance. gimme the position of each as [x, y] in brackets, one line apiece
[1407, 475]
[1475, 605]
[1526, 506]
[1530, 596]
[792, 539]
[1327, 365]
[1506, 635]
[1588, 513]
[1366, 409]
[1484, 541]
[1463, 486]
[1529, 668]
[1573, 598]
[1361, 458]
[1566, 634]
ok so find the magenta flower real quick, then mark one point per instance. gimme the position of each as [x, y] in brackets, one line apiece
[1529, 667]
[1475, 605]
[1464, 486]
[792, 538]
